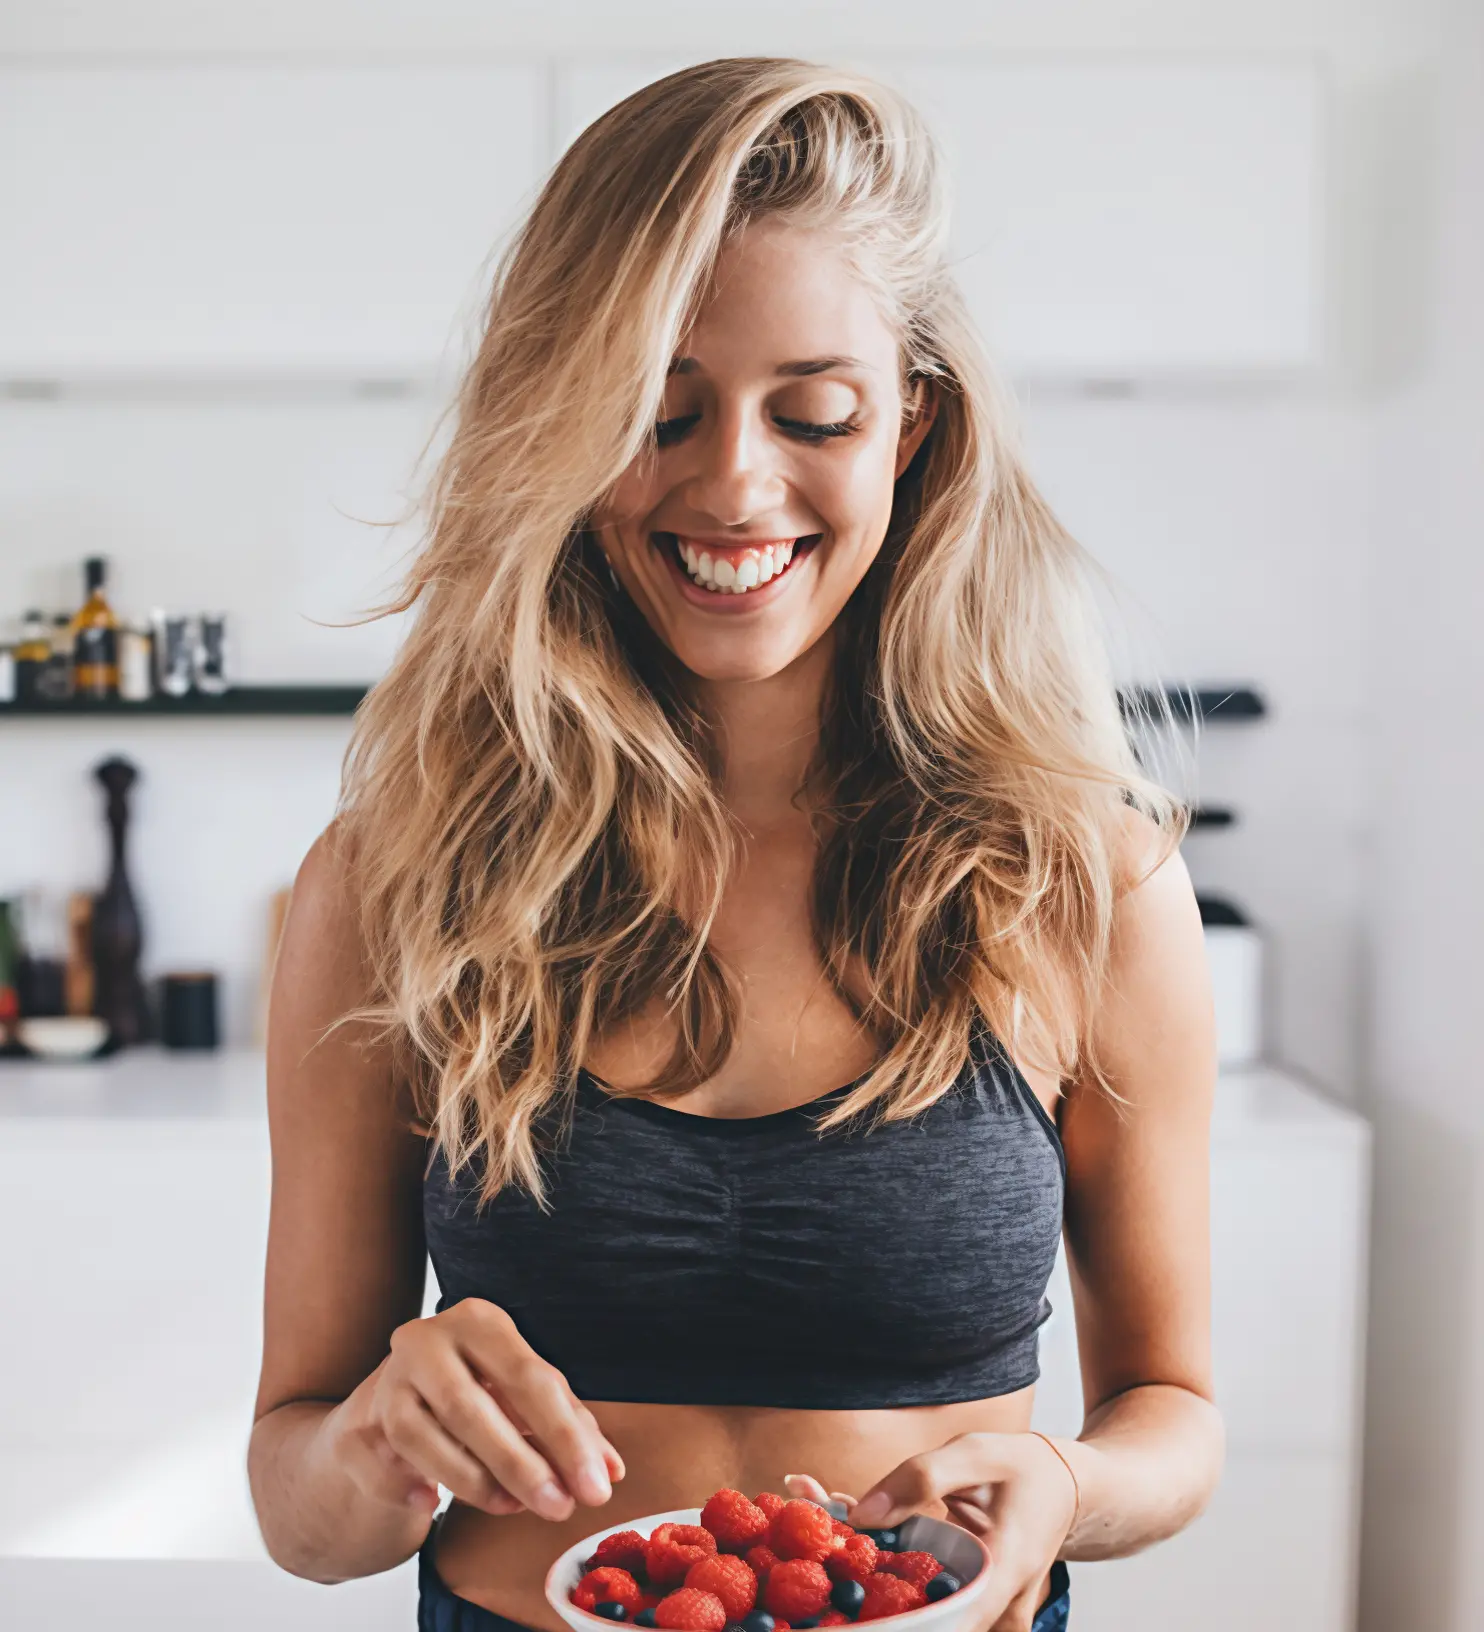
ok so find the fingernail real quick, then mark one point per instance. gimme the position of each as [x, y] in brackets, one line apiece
[553, 1501]
[872, 1510]
[595, 1476]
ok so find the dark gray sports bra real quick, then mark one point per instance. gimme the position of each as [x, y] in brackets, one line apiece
[692, 1260]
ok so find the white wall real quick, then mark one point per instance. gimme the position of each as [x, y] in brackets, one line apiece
[1237, 522]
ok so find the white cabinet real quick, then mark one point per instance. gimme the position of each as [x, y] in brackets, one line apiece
[231, 220]
[1119, 220]
[1290, 1184]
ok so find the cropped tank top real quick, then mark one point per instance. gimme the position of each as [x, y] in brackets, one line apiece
[692, 1260]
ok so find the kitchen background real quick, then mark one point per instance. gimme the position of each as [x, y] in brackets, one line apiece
[1233, 269]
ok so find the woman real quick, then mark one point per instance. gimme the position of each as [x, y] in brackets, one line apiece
[752, 739]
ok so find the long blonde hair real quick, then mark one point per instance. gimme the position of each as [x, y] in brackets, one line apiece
[537, 843]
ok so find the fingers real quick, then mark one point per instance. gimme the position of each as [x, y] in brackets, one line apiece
[415, 1437]
[535, 1429]
[966, 1466]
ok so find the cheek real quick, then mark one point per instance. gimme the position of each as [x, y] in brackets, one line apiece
[855, 492]
[631, 499]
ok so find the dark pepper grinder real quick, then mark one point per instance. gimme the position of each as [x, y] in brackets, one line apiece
[117, 937]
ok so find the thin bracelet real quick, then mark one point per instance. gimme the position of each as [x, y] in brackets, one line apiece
[1076, 1488]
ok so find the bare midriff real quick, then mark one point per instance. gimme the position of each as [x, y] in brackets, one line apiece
[677, 1455]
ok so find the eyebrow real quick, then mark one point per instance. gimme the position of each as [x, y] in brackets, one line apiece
[801, 369]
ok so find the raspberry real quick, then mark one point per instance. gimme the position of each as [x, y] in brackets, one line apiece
[918, 1568]
[798, 1589]
[802, 1530]
[760, 1560]
[672, 1549]
[770, 1503]
[841, 1529]
[854, 1559]
[608, 1586]
[622, 1551]
[889, 1595]
[651, 1599]
[834, 1617]
[736, 1523]
[691, 1610]
[726, 1577]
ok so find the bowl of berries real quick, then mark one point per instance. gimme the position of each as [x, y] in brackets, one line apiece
[768, 1565]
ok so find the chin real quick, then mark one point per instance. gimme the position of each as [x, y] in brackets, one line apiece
[735, 667]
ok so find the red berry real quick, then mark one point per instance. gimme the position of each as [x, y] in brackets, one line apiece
[854, 1559]
[608, 1586]
[672, 1549]
[760, 1560]
[797, 1589]
[736, 1523]
[834, 1617]
[802, 1530]
[621, 1551]
[918, 1568]
[725, 1576]
[889, 1595]
[771, 1504]
[691, 1610]
[651, 1599]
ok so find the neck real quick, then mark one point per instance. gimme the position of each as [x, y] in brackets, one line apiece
[768, 730]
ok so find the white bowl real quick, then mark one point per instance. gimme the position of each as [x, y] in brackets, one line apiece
[64, 1036]
[956, 1549]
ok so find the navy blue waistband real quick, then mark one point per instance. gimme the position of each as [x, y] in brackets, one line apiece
[441, 1610]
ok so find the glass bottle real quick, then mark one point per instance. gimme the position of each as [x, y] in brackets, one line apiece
[31, 653]
[56, 677]
[95, 660]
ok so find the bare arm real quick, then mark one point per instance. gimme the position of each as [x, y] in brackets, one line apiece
[1138, 1234]
[363, 1407]
[1137, 1231]
[345, 1247]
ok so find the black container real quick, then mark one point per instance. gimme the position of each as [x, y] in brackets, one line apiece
[188, 1010]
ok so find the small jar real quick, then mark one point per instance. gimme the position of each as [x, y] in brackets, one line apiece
[136, 664]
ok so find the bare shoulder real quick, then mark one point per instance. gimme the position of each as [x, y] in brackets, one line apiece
[1155, 1026]
[319, 979]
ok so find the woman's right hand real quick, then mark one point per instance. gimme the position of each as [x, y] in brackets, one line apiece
[464, 1401]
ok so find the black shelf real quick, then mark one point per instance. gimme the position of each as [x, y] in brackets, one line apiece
[1213, 705]
[1212, 816]
[240, 702]
[1217, 706]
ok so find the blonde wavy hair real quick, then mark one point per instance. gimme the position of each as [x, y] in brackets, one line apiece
[536, 841]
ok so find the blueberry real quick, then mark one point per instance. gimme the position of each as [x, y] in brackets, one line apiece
[943, 1585]
[611, 1611]
[886, 1540]
[757, 1620]
[801, 1626]
[645, 1617]
[847, 1596]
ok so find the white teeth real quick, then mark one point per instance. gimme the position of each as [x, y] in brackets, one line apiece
[722, 576]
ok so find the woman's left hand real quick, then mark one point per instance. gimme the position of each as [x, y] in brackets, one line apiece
[1012, 1490]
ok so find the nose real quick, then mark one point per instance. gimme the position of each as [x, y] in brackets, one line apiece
[736, 478]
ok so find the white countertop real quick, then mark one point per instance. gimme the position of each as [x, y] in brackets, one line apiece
[155, 1085]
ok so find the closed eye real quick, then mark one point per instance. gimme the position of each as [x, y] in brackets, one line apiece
[809, 430]
[667, 432]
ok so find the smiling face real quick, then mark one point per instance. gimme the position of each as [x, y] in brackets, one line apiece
[768, 496]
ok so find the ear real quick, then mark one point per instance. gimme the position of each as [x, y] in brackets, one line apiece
[917, 420]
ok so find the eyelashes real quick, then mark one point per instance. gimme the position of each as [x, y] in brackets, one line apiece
[667, 432]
